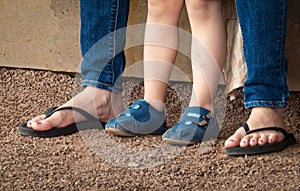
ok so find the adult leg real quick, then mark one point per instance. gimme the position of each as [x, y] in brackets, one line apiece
[103, 63]
[263, 25]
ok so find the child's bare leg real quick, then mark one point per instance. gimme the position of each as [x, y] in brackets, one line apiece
[161, 41]
[160, 47]
[208, 31]
[208, 54]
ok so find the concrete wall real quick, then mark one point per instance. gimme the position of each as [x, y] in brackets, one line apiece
[293, 45]
[44, 34]
[40, 34]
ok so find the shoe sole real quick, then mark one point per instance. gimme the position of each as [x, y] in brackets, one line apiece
[118, 132]
[178, 142]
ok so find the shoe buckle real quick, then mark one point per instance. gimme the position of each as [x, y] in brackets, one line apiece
[135, 106]
[188, 122]
[202, 123]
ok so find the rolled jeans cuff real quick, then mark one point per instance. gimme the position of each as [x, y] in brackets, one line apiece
[273, 104]
[117, 87]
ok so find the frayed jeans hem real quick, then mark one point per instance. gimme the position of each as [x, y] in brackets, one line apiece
[272, 104]
[109, 87]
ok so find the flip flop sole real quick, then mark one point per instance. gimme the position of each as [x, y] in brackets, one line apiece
[55, 132]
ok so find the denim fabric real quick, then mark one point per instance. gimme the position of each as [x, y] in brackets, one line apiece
[263, 24]
[102, 39]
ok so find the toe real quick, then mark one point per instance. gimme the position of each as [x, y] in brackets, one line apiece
[42, 125]
[231, 142]
[275, 137]
[271, 139]
[253, 141]
[263, 139]
[234, 140]
[38, 118]
[46, 124]
[35, 120]
[245, 141]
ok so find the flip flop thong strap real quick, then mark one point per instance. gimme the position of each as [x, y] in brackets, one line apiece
[49, 111]
[81, 111]
[246, 127]
[248, 131]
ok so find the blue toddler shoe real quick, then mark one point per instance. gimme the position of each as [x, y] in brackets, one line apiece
[190, 129]
[139, 119]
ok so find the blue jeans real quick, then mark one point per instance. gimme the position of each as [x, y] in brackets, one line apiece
[263, 24]
[102, 40]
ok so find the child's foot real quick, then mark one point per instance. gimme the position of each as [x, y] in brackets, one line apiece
[191, 127]
[260, 117]
[93, 100]
[140, 118]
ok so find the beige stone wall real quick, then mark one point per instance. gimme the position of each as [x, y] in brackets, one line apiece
[44, 34]
[293, 45]
[40, 34]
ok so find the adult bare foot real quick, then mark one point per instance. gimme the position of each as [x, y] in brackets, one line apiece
[260, 117]
[102, 104]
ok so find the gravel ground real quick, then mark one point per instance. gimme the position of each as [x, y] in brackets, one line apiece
[93, 160]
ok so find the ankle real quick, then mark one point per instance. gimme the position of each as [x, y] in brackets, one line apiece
[266, 116]
[206, 106]
[157, 104]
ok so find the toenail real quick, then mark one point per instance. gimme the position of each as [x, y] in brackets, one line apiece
[38, 122]
[260, 140]
[244, 142]
[29, 122]
[252, 140]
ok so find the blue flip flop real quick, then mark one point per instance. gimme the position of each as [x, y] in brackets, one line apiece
[91, 123]
[139, 119]
[190, 129]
